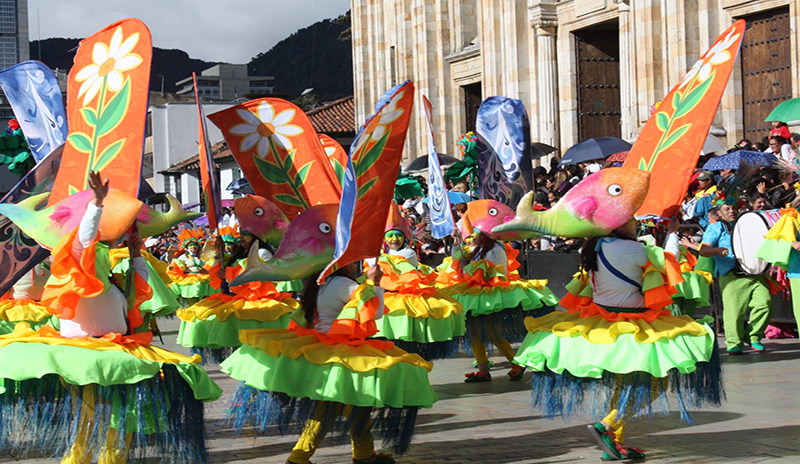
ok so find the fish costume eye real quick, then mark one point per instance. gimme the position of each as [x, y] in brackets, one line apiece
[258, 211]
[325, 228]
[614, 189]
[492, 211]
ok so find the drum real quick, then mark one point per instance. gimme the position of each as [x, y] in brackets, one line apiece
[747, 237]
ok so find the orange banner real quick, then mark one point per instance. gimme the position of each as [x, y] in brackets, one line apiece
[670, 142]
[208, 170]
[370, 177]
[107, 97]
[279, 152]
[336, 155]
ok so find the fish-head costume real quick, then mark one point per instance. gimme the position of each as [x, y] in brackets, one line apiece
[600, 203]
[616, 342]
[101, 381]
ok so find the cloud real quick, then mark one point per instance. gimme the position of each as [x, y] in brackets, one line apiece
[229, 30]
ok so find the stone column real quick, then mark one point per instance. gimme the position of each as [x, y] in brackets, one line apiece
[627, 72]
[545, 21]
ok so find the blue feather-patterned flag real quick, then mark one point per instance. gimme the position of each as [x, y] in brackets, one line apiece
[440, 213]
[35, 96]
[505, 171]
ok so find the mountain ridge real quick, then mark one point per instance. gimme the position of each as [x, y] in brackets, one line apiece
[315, 56]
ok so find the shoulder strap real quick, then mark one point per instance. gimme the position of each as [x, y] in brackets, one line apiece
[617, 273]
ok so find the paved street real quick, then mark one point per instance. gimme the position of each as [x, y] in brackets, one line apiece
[494, 423]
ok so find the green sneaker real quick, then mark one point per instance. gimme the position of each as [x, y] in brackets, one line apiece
[757, 347]
[735, 351]
[605, 439]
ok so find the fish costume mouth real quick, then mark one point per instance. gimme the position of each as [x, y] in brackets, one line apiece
[600, 203]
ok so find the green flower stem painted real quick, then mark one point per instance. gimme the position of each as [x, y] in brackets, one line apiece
[668, 131]
[95, 132]
[285, 170]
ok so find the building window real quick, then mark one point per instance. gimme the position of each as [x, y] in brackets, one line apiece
[393, 64]
[147, 165]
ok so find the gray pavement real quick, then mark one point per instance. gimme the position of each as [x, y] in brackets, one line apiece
[494, 423]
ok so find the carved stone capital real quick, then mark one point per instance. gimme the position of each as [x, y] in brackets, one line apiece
[543, 14]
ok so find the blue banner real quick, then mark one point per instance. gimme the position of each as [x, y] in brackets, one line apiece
[441, 215]
[505, 171]
[34, 95]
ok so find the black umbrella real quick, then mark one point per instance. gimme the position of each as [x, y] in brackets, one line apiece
[240, 185]
[539, 150]
[420, 164]
[594, 149]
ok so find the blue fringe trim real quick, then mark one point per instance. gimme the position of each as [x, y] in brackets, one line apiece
[635, 394]
[42, 417]
[510, 322]
[213, 356]
[267, 411]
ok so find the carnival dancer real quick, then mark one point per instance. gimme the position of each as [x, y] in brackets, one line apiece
[96, 385]
[483, 277]
[190, 279]
[419, 317]
[324, 373]
[22, 302]
[211, 327]
[615, 344]
[739, 292]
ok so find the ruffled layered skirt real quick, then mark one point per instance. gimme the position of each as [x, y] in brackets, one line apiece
[211, 327]
[432, 326]
[593, 360]
[288, 376]
[94, 391]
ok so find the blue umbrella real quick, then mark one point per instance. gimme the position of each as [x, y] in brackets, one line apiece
[455, 198]
[734, 159]
[594, 149]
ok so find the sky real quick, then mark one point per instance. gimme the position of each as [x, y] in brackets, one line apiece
[231, 31]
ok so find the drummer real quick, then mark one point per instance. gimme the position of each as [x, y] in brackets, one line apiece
[739, 291]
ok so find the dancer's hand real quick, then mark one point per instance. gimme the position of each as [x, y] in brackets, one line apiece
[374, 273]
[99, 188]
[135, 244]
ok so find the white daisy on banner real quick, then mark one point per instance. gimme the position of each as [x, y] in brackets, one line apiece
[264, 129]
[108, 64]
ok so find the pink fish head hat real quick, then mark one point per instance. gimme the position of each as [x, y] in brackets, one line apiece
[609, 198]
[483, 216]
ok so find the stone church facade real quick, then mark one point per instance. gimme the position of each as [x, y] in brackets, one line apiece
[583, 68]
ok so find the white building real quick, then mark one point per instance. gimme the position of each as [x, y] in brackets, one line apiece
[173, 134]
[227, 82]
